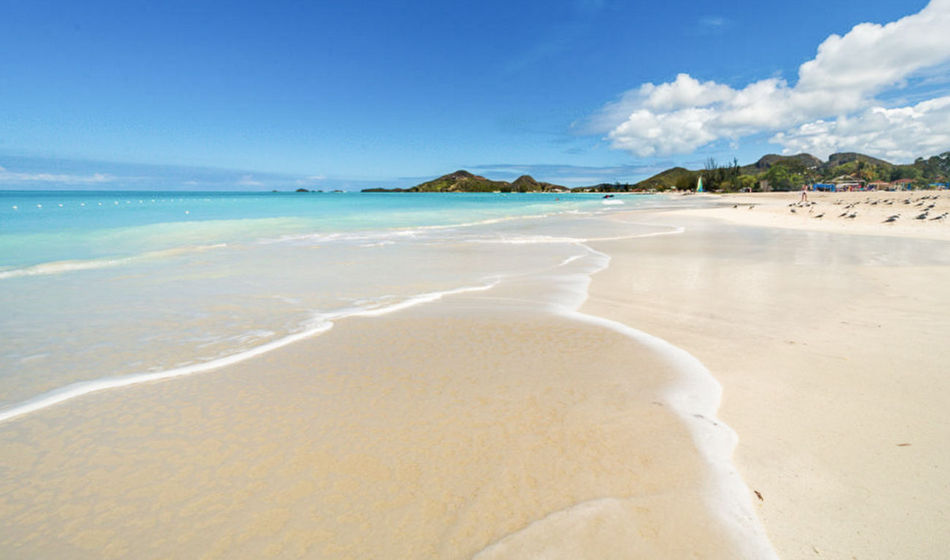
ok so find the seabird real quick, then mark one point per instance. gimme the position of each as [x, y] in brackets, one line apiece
[892, 218]
[940, 217]
[921, 216]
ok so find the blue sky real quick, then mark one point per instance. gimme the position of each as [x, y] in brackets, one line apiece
[280, 94]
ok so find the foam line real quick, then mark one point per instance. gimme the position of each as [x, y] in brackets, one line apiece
[75, 390]
[547, 239]
[59, 267]
[695, 398]
[319, 325]
[412, 231]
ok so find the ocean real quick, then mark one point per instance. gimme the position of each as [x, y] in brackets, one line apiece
[104, 289]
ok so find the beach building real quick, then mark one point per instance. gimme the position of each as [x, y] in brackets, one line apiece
[848, 183]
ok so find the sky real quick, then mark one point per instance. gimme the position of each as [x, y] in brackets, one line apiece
[324, 95]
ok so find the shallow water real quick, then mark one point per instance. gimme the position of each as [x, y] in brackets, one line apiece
[104, 285]
[502, 421]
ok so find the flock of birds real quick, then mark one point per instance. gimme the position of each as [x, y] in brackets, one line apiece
[922, 206]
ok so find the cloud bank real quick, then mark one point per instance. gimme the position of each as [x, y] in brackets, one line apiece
[19, 177]
[50, 173]
[834, 105]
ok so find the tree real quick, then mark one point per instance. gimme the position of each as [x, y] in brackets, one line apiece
[905, 172]
[782, 179]
[720, 177]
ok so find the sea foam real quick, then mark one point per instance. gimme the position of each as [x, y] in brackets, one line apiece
[321, 323]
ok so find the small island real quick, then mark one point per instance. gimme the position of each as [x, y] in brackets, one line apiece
[463, 181]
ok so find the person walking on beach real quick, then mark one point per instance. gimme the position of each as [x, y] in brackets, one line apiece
[804, 194]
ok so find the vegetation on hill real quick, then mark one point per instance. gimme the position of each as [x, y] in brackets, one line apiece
[771, 172]
[776, 172]
[463, 181]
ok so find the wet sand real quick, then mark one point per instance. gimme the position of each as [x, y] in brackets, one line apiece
[439, 432]
[831, 349]
[484, 425]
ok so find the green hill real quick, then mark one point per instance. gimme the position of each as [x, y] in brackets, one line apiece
[460, 181]
[804, 161]
[463, 181]
[678, 177]
[790, 172]
[778, 172]
[834, 160]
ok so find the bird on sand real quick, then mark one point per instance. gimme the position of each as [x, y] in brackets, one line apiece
[892, 218]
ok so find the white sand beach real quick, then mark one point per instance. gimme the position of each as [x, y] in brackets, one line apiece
[832, 355]
[479, 425]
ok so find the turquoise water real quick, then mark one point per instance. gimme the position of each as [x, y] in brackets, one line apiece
[41, 227]
[119, 285]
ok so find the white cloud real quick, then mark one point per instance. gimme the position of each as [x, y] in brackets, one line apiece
[249, 181]
[831, 107]
[309, 180]
[898, 134]
[15, 177]
[713, 24]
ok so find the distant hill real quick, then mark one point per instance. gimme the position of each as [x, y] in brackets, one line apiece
[678, 177]
[776, 172]
[834, 160]
[463, 181]
[790, 172]
[460, 181]
[527, 183]
[807, 161]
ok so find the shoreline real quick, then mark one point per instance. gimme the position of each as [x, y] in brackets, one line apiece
[688, 500]
[320, 324]
[438, 447]
[834, 390]
[269, 413]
